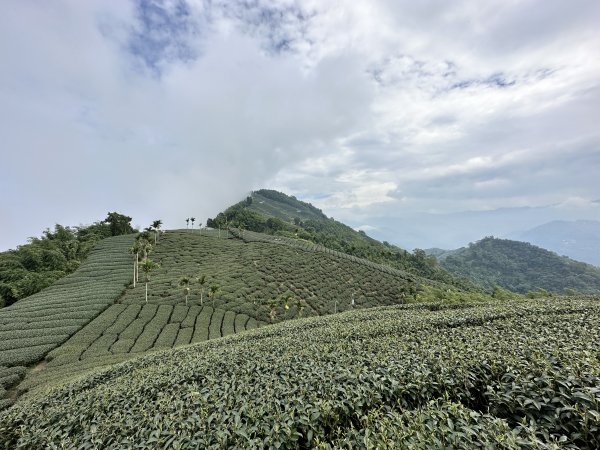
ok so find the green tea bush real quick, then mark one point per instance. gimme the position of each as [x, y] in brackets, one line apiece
[184, 336]
[203, 321]
[124, 319]
[512, 375]
[33, 326]
[216, 322]
[167, 336]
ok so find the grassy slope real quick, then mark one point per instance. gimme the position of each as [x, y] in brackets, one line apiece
[285, 211]
[251, 272]
[32, 327]
[519, 375]
[521, 267]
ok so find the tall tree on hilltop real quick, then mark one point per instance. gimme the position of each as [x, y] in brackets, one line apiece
[192, 219]
[118, 223]
[156, 225]
[148, 266]
[187, 223]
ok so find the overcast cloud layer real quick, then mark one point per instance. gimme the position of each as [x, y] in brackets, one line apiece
[396, 116]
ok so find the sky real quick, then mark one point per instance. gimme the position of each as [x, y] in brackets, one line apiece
[428, 124]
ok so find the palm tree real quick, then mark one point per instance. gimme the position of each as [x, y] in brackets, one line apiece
[187, 223]
[299, 306]
[145, 248]
[135, 251]
[156, 225]
[148, 266]
[213, 290]
[273, 303]
[193, 219]
[200, 227]
[185, 282]
[201, 281]
[285, 300]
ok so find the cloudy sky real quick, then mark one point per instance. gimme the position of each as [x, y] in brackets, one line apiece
[426, 123]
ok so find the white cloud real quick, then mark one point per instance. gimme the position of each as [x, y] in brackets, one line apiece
[366, 107]
[108, 134]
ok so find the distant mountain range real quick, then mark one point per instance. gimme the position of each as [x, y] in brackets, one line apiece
[518, 266]
[579, 239]
[453, 230]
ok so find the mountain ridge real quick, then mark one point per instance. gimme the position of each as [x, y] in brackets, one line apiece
[578, 239]
[520, 267]
[272, 212]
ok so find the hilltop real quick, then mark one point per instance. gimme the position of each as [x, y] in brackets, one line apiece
[41, 262]
[520, 267]
[579, 239]
[271, 212]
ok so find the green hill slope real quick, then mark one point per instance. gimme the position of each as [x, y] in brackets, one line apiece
[272, 212]
[276, 204]
[255, 273]
[521, 267]
[32, 327]
[524, 375]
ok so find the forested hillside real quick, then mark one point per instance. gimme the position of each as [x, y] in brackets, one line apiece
[272, 212]
[59, 252]
[521, 267]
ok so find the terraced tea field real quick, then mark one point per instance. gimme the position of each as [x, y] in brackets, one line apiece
[32, 327]
[251, 272]
[519, 375]
[124, 331]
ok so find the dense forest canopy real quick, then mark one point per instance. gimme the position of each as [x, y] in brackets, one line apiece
[36, 265]
[521, 267]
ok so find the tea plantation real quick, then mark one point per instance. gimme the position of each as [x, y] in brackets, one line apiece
[523, 374]
[253, 270]
[254, 273]
[32, 327]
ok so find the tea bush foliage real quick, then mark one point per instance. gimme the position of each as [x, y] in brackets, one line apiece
[33, 326]
[512, 375]
[255, 272]
[252, 269]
